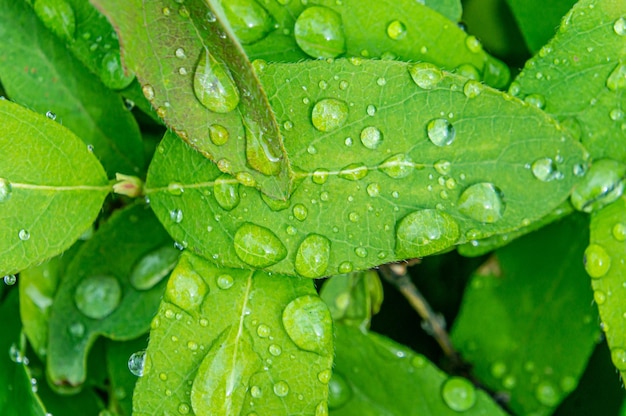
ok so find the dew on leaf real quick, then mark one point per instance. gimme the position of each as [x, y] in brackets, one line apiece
[51, 115]
[148, 92]
[620, 26]
[536, 100]
[175, 188]
[153, 267]
[58, 16]
[319, 32]
[176, 215]
[482, 202]
[281, 388]
[275, 350]
[263, 331]
[360, 252]
[618, 356]
[602, 184]
[76, 330]
[136, 363]
[468, 71]
[596, 260]
[599, 297]
[218, 134]
[225, 281]
[24, 235]
[226, 192]
[9, 279]
[257, 246]
[213, 84]
[353, 172]
[617, 79]
[472, 88]
[442, 167]
[373, 189]
[308, 323]
[324, 376]
[397, 166]
[371, 110]
[262, 152]
[440, 132]
[329, 114]
[300, 212]
[544, 169]
[112, 72]
[371, 137]
[619, 231]
[5, 189]
[183, 408]
[547, 394]
[425, 232]
[321, 409]
[509, 382]
[312, 256]
[186, 289]
[459, 394]
[498, 369]
[425, 75]
[396, 30]
[339, 391]
[97, 297]
[345, 267]
[473, 44]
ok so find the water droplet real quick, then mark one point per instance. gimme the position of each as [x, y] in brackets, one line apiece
[218, 134]
[398, 166]
[248, 19]
[360, 252]
[329, 114]
[472, 88]
[616, 114]
[312, 256]
[98, 296]
[599, 298]
[619, 231]
[618, 356]
[263, 331]
[186, 288]
[371, 137]
[136, 363]
[148, 92]
[473, 44]
[226, 192]
[51, 115]
[482, 202]
[442, 167]
[547, 394]
[425, 232]
[617, 80]
[225, 281]
[425, 75]
[262, 152]
[373, 189]
[256, 392]
[183, 408]
[257, 246]
[324, 376]
[602, 184]
[10, 279]
[213, 84]
[281, 388]
[345, 267]
[76, 330]
[275, 350]
[536, 100]
[441, 132]
[319, 32]
[339, 391]
[545, 169]
[320, 176]
[620, 26]
[58, 16]
[509, 382]
[597, 261]
[175, 188]
[308, 323]
[153, 267]
[498, 369]
[396, 30]
[5, 189]
[112, 71]
[300, 212]
[459, 394]
[353, 172]
[568, 384]
[176, 215]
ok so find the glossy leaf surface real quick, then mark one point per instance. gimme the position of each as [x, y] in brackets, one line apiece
[231, 341]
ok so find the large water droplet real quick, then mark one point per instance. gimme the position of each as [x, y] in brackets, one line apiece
[262, 151]
[281, 388]
[545, 169]
[329, 114]
[398, 166]
[459, 394]
[620, 26]
[618, 356]
[226, 192]
[547, 394]
[617, 80]
[153, 267]
[58, 16]
[425, 232]
[300, 212]
[257, 246]
[249, 20]
[353, 172]
[339, 391]
[213, 84]
[136, 363]
[602, 184]
[396, 30]
[482, 202]
[218, 134]
[597, 261]
[425, 75]
[312, 256]
[440, 132]
[5, 190]
[112, 72]
[319, 32]
[98, 296]
[308, 323]
[371, 137]
[186, 288]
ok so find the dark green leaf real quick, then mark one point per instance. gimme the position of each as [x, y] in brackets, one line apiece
[122, 380]
[231, 341]
[536, 327]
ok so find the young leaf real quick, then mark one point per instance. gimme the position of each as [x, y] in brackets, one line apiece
[232, 341]
[605, 262]
[51, 188]
[201, 83]
[376, 376]
[532, 293]
[112, 288]
[404, 167]
[38, 72]
[580, 77]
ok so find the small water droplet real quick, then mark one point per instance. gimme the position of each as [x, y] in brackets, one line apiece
[618, 356]
[153, 267]
[498, 369]
[396, 30]
[258, 246]
[371, 137]
[218, 134]
[175, 188]
[442, 167]
[275, 350]
[547, 394]
[76, 330]
[620, 26]
[616, 114]
[425, 75]
[602, 184]
[345, 267]
[300, 212]
[148, 92]
[472, 88]
[183, 408]
[213, 84]
[185, 288]
[544, 169]
[10, 279]
[281, 388]
[619, 231]
[58, 16]
[482, 202]
[324, 376]
[617, 79]
[371, 110]
[599, 297]
[319, 32]
[225, 281]
[320, 176]
[536, 100]
[425, 232]
[596, 260]
[360, 252]
[5, 190]
[373, 189]
[136, 363]
[226, 192]
[263, 331]
[51, 115]
[339, 391]
[329, 114]
[98, 296]
[312, 256]
[180, 53]
[398, 166]
[176, 215]
[473, 44]
[440, 132]
[308, 323]
[353, 172]
[459, 394]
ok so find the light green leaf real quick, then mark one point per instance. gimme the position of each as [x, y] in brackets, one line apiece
[38, 71]
[232, 341]
[376, 179]
[605, 262]
[353, 298]
[201, 83]
[580, 77]
[375, 376]
[112, 288]
[51, 188]
[532, 293]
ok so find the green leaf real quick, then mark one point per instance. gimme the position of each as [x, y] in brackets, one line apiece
[532, 294]
[452, 9]
[353, 298]
[580, 77]
[376, 376]
[112, 288]
[605, 263]
[39, 72]
[231, 341]
[51, 188]
[201, 83]
[374, 185]
[537, 32]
